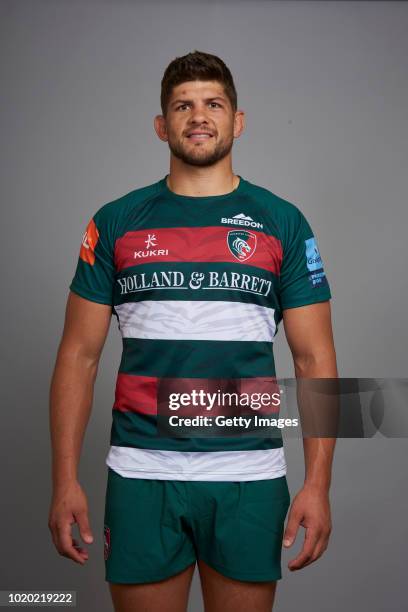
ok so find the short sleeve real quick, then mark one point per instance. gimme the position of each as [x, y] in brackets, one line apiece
[302, 277]
[94, 274]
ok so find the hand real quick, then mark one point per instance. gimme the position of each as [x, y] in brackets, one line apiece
[68, 506]
[311, 509]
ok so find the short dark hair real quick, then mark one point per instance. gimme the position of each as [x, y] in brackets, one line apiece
[196, 66]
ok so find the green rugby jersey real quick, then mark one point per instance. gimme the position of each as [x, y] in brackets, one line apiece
[198, 286]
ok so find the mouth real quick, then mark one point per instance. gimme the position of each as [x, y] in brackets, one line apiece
[199, 136]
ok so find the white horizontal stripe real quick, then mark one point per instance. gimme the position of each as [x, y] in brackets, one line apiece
[180, 465]
[196, 320]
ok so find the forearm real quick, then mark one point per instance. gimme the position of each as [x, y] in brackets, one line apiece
[71, 395]
[318, 461]
[318, 451]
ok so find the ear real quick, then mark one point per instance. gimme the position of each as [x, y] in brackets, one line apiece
[239, 123]
[160, 127]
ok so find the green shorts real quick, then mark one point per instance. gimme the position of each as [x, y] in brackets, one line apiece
[154, 529]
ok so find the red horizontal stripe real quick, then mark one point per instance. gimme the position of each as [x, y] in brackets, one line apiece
[195, 244]
[143, 394]
[136, 394]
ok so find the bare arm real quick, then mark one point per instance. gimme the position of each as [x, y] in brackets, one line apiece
[71, 394]
[309, 333]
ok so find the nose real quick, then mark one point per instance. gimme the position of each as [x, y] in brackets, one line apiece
[198, 115]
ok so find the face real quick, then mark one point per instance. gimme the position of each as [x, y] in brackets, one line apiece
[200, 125]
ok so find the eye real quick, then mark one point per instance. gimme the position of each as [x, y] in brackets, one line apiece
[182, 106]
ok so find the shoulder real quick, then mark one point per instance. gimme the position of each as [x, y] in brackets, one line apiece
[282, 217]
[115, 212]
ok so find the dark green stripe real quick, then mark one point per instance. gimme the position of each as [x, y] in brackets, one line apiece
[140, 431]
[187, 293]
[197, 358]
[162, 212]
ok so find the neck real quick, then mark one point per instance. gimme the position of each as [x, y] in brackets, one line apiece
[196, 181]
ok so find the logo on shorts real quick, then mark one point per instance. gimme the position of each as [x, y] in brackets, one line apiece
[106, 542]
[241, 243]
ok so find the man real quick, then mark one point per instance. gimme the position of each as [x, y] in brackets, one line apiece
[199, 268]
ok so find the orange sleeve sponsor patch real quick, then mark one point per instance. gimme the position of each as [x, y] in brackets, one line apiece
[89, 242]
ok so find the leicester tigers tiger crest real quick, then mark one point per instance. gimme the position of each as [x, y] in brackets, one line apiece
[241, 243]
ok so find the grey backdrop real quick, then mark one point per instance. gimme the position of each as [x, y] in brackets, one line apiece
[324, 85]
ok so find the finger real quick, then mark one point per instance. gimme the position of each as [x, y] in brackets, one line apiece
[84, 527]
[320, 547]
[65, 543]
[57, 534]
[52, 527]
[292, 528]
[317, 553]
[305, 555]
[79, 548]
